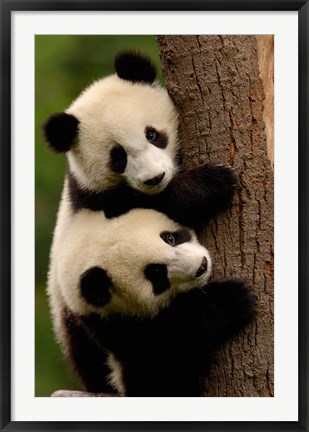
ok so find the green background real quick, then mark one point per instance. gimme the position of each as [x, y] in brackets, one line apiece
[64, 65]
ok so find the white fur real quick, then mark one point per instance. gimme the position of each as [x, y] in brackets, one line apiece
[111, 111]
[115, 377]
[114, 111]
[123, 247]
[64, 219]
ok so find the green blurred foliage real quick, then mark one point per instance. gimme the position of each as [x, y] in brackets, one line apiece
[64, 65]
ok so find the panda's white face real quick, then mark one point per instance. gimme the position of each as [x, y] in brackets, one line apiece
[126, 131]
[132, 265]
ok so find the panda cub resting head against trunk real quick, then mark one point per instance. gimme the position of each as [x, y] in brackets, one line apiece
[135, 310]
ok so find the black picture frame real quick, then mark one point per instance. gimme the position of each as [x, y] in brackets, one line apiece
[7, 7]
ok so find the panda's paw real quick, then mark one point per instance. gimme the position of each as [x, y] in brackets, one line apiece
[244, 301]
[218, 183]
[216, 175]
[199, 194]
[222, 175]
[236, 295]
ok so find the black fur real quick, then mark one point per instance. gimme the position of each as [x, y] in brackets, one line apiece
[135, 67]
[156, 138]
[168, 355]
[191, 198]
[157, 275]
[194, 197]
[118, 161]
[95, 285]
[60, 131]
[87, 358]
[177, 237]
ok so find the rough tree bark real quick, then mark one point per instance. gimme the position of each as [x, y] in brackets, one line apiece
[216, 85]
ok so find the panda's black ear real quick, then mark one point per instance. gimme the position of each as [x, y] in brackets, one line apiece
[135, 67]
[60, 131]
[95, 285]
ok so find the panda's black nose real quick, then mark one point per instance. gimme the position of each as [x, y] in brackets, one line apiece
[202, 268]
[155, 180]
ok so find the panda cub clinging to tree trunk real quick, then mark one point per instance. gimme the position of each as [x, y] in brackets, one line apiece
[120, 136]
[141, 320]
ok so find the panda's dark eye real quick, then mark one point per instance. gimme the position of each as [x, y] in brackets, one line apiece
[168, 238]
[151, 134]
[156, 138]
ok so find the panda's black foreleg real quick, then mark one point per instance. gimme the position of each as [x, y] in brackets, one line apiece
[87, 360]
[231, 305]
[207, 317]
[195, 196]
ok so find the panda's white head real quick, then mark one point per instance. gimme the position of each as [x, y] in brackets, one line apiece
[121, 128]
[132, 265]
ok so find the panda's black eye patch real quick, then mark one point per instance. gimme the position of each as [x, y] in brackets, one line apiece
[176, 238]
[158, 139]
[95, 285]
[118, 159]
[157, 275]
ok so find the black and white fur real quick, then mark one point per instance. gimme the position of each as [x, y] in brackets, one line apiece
[134, 309]
[120, 138]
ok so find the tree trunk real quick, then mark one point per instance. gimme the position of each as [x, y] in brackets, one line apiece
[215, 83]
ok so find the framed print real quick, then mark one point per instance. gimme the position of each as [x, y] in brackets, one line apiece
[212, 333]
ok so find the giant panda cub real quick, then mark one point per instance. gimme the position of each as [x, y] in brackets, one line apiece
[120, 138]
[133, 308]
